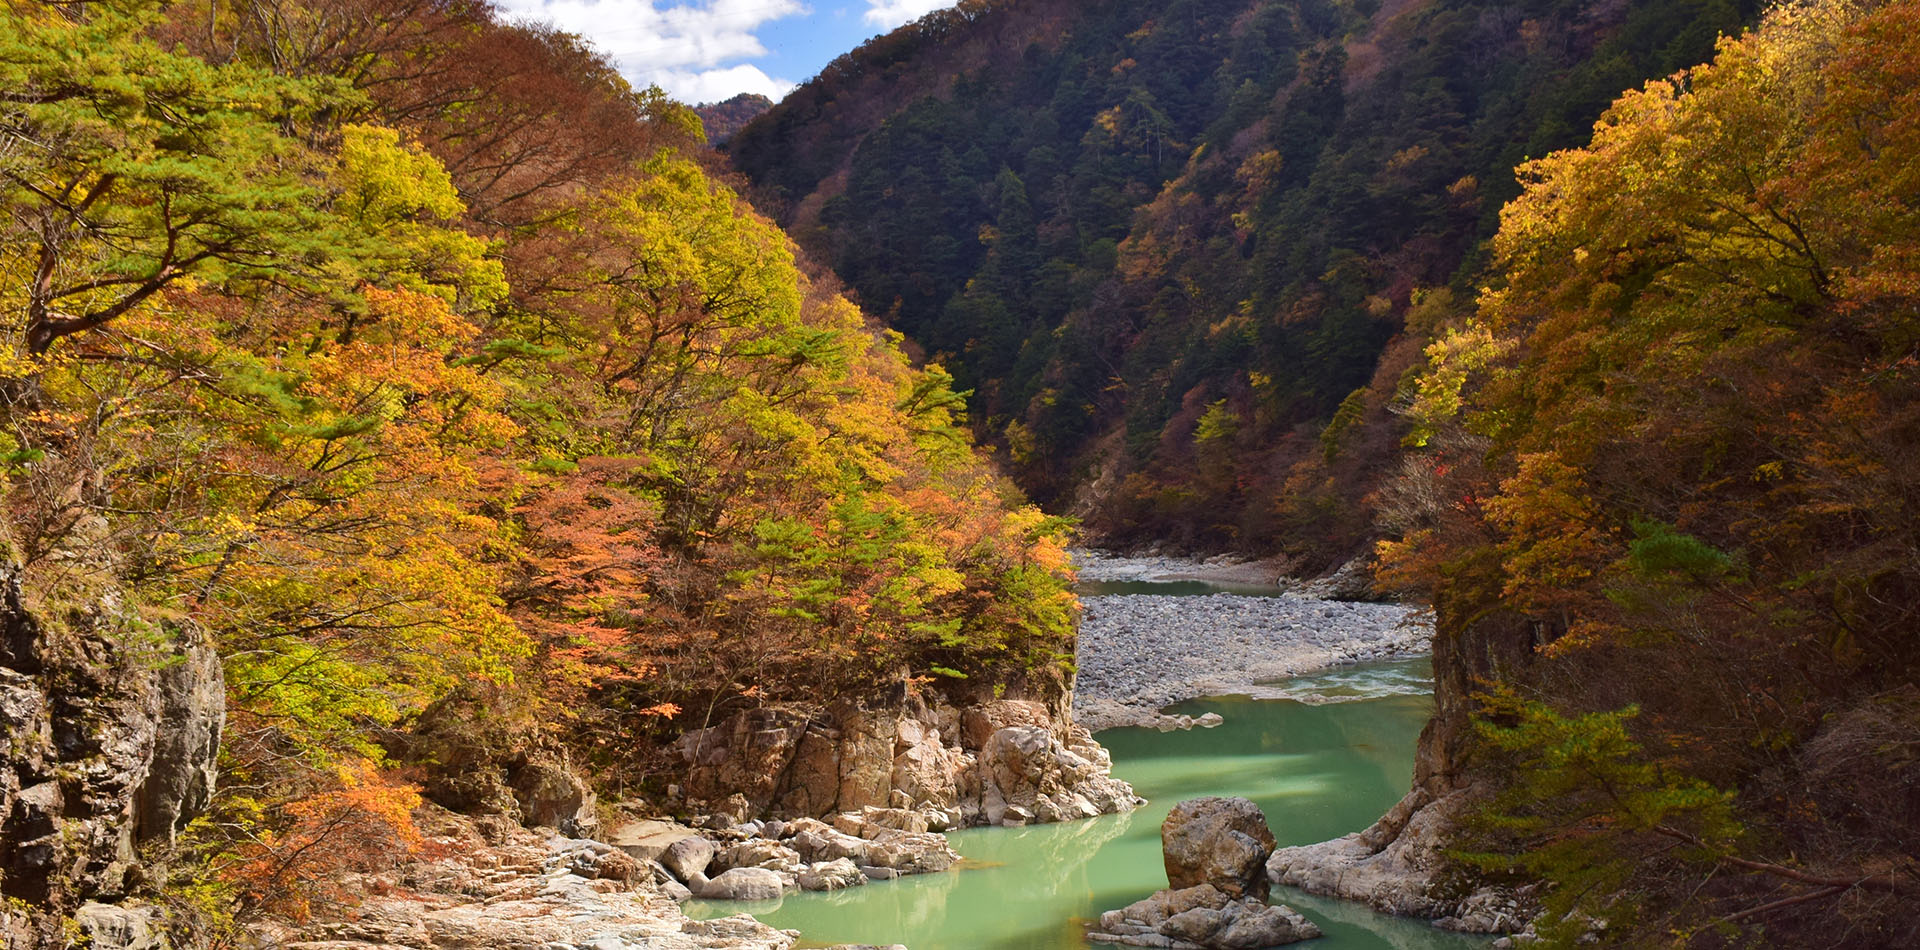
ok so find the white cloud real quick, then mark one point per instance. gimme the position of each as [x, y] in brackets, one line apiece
[888, 14]
[679, 47]
[716, 85]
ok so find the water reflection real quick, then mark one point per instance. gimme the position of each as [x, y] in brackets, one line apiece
[1319, 771]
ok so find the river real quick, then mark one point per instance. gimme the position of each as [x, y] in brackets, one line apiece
[1322, 765]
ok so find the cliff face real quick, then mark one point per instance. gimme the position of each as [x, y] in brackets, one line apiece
[110, 730]
[1005, 761]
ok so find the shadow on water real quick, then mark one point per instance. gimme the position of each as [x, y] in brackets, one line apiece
[1319, 771]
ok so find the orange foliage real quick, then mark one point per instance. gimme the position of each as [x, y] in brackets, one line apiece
[362, 823]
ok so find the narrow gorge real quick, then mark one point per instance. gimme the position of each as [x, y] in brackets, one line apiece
[1190, 474]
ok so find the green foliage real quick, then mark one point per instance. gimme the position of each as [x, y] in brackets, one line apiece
[1658, 549]
[1350, 412]
[145, 167]
[1217, 424]
[1579, 806]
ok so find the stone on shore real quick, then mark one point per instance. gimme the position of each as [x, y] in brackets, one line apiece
[688, 857]
[1219, 841]
[648, 839]
[510, 888]
[1202, 918]
[873, 843]
[741, 884]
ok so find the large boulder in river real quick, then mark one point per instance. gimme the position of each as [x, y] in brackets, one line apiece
[837, 874]
[1219, 841]
[911, 852]
[758, 853]
[1202, 918]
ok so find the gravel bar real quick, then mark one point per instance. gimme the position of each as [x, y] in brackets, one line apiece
[1140, 652]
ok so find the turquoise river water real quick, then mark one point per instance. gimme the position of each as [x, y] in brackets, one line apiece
[1323, 765]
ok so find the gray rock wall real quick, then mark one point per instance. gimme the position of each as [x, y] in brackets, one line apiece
[109, 730]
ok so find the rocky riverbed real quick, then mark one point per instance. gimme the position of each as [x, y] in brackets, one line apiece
[1140, 652]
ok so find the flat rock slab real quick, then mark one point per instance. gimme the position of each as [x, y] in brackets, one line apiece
[648, 839]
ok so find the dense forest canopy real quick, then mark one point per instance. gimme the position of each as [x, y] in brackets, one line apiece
[415, 358]
[1663, 500]
[1173, 249]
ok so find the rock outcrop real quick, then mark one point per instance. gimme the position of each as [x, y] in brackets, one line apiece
[109, 727]
[1396, 865]
[1352, 580]
[480, 754]
[1219, 841]
[1002, 762]
[1202, 918]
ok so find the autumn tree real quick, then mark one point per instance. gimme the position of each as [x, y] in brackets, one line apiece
[1693, 382]
[425, 365]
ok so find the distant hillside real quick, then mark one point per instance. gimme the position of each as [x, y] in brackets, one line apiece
[723, 119]
[1182, 250]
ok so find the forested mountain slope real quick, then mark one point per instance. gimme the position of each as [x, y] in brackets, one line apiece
[1170, 246]
[723, 119]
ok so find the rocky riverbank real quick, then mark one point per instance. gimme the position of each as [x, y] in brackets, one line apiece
[491, 884]
[1140, 652]
[1224, 569]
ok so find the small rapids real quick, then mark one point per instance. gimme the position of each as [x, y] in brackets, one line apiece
[1409, 677]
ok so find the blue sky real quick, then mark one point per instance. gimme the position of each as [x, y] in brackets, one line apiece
[709, 50]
